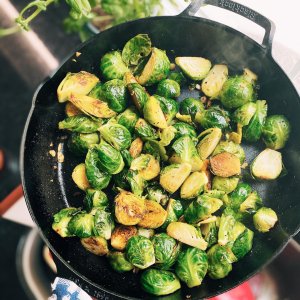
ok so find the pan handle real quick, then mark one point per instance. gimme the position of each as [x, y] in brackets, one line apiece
[241, 10]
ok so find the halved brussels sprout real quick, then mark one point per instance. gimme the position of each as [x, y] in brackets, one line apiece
[112, 66]
[267, 165]
[168, 88]
[159, 282]
[208, 141]
[81, 124]
[147, 166]
[81, 225]
[201, 209]
[140, 252]
[157, 193]
[136, 181]
[156, 69]
[156, 149]
[184, 118]
[144, 130]
[251, 204]
[91, 106]
[226, 184]
[174, 212]
[167, 135]
[191, 106]
[276, 131]
[178, 77]
[97, 178]
[121, 235]
[193, 185]
[153, 113]
[71, 110]
[225, 164]
[173, 176]
[128, 118]
[115, 134]
[146, 232]
[244, 114]
[230, 147]
[265, 219]
[225, 233]
[192, 266]
[81, 83]
[95, 198]
[169, 107]
[79, 177]
[135, 49]
[95, 244]
[220, 259]
[166, 250]
[154, 215]
[129, 208]
[252, 132]
[243, 244]
[212, 84]
[186, 152]
[118, 262]
[136, 147]
[103, 223]
[210, 233]
[239, 195]
[127, 158]
[184, 129]
[195, 68]
[237, 91]
[62, 219]
[79, 143]
[186, 234]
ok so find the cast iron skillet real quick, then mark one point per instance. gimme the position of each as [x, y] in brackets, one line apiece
[47, 189]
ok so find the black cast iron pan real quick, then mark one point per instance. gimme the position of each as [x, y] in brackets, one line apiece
[47, 190]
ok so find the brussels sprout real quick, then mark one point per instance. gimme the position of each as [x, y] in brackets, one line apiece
[184, 129]
[243, 244]
[225, 233]
[81, 124]
[210, 233]
[169, 107]
[186, 234]
[135, 49]
[212, 84]
[97, 178]
[103, 224]
[239, 195]
[121, 235]
[91, 106]
[244, 114]
[120, 180]
[136, 147]
[156, 69]
[201, 209]
[267, 165]
[178, 77]
[214, 116]
[157, 193]
[95, 198]
[156, 149]
[184, 118]
[225, 164]
[128, 118]
[146, 232]
[62, 219]
[136, 182]
[110, 160]
[96, 92]
[129, 209]
[79, 143]
[153, 113]
[276, 131]
[252, 132]
[154, 215]
[112, 66]
[186, 152]
[168, 88]
[127, 158]
[147, 166]
[225, 184]
[265, 219]
[251, 204]
[81, 82]
[145, 130]
[192, 266]
[230, 147]
[174, 212]
[195, 68]
[166, 250]
[193, 185]
[208, 141]
[159, 282]
[140, 252]
[95, 244]
[236, 91]
[81, 225]
[79, 177]
[220, 259]
[114, 92]
[173, 176]
[116, 135]
[118, 262]
[71, 110]
[191, 106]
[166, 135]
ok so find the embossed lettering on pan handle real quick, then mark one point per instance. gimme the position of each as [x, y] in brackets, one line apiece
[241, 10]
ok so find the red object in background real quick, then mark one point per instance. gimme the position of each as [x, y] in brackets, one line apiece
[242, 292]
